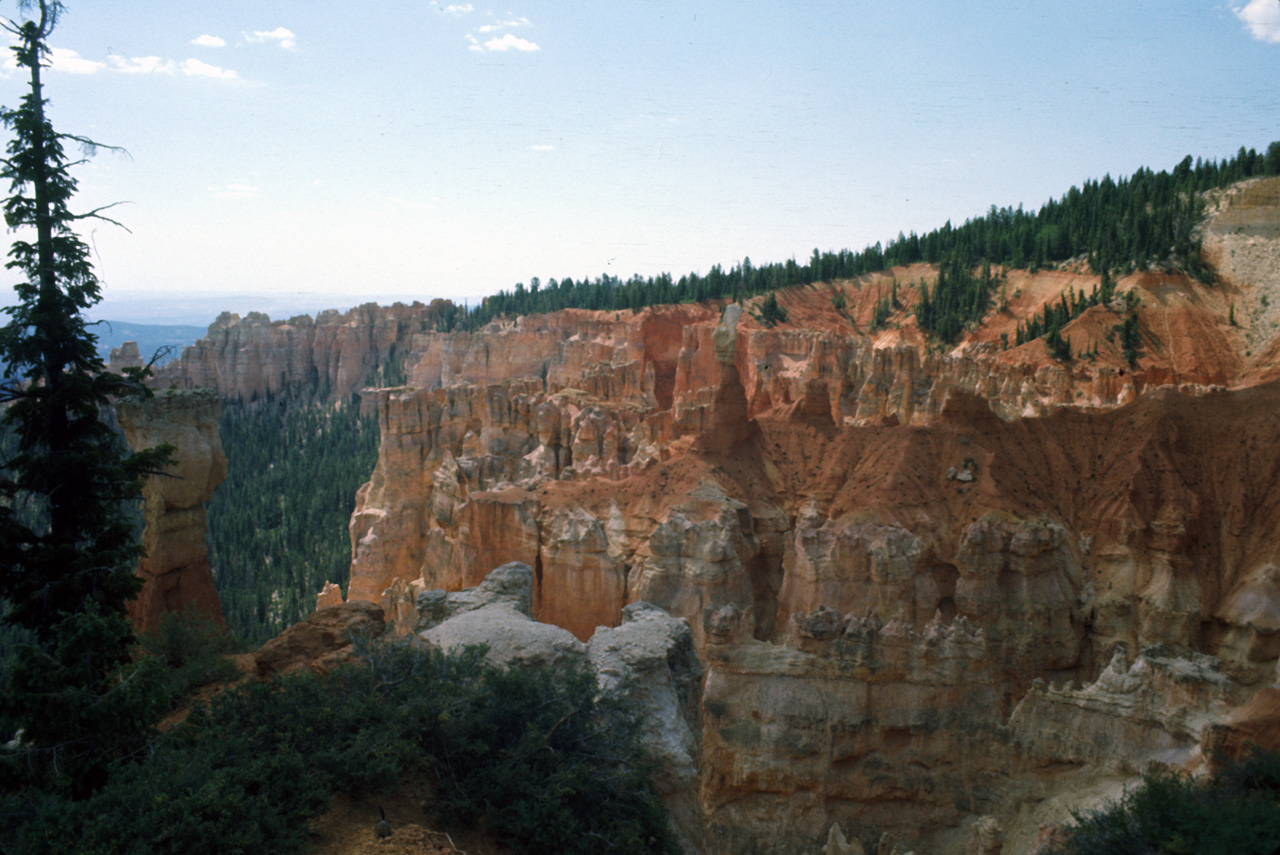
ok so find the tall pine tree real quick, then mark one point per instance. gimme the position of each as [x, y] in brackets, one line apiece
[68, 542]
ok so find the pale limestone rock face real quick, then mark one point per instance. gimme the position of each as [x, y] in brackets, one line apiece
[175, 569]
[513, 638]
[988, 837]
[797, 740]
[1250, 617]
[651, 658]
[837, 844]
[695, 561]
[1154, 708]
[498, 613]
[1027, 573]
[852, 565]
[124, 356]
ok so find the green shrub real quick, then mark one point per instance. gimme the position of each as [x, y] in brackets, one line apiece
[1234, 812]
[547, 765]
[192, 647]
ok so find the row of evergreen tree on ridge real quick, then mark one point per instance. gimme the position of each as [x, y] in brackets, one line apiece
[1119, 225]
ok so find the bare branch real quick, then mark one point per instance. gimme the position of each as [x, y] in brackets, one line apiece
[95, 215]
[90, 146]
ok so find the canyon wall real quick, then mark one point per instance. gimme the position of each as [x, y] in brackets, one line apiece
[252, 358]
[933, 589]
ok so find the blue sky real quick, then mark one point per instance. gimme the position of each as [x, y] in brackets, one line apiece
[299, 155]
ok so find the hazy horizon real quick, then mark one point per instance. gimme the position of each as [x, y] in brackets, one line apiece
[296, 157]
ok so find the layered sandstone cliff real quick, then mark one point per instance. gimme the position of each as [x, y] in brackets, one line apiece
[252, 358]
[175, 569]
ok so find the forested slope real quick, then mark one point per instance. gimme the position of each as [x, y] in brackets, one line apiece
[278, 525]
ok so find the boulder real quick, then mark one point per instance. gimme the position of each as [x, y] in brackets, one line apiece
[497, 613]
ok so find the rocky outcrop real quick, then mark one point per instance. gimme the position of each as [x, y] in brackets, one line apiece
[1155, 707]
[649, 659]
[125, 356]
[326, 638]
[175, 568]
[497, 613]
[1241, 240]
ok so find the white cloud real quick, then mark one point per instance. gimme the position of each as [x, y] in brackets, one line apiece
[542, 147]
[457, 9]
[1263, 19]
[63, 59]
[284, 37]
[235, 191]
[503, 25]
[207, 40]
[196, 68]
[141, 65]
[156, 65]
[510, 42]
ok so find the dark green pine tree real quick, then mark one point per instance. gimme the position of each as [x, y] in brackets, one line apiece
[66, 560]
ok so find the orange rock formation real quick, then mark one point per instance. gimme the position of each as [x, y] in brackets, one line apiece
[175, 569]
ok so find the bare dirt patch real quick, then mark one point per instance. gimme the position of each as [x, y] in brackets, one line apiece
[348, 829]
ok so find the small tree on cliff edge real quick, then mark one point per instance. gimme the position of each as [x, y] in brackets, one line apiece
[68, 545]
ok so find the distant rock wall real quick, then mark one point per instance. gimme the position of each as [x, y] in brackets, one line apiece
[254, 358]
[175, 569]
